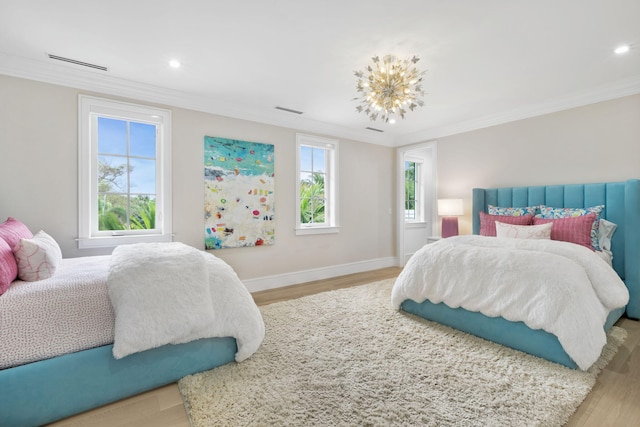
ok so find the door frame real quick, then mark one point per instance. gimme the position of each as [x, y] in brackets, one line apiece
[401, 153]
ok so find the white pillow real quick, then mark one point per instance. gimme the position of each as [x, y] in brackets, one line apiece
[605, 232]
[38, 257]
[542, 231]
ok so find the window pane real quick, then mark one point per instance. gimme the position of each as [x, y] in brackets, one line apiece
[143, 212]
[305, 210]
[112, 212]
[306, 177]
[143, 176]
[112, 174]
[411, 190]
[305, 158]
[318, 185]
[112, 136]
[142, 140]
[318, 210]
[319, 160]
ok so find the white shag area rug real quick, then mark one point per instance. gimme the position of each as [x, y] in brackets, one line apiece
[347, 358]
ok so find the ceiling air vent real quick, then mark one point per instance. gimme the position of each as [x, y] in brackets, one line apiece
[289, 110]
[374, 129]
[73, 61]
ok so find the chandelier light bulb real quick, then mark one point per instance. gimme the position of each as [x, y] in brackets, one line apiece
[389, 85]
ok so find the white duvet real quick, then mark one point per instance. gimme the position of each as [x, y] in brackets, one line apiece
[562, 288]
[171, 293]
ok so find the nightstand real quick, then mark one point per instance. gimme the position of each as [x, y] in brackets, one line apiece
[433, 239]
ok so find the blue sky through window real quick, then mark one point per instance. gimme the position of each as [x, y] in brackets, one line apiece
[312, 159]
[112, 149]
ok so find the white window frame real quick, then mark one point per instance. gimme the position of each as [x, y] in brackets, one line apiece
[331, 224]
[89, 108]
[420, 193]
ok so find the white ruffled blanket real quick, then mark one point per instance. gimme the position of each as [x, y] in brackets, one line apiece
[562, 288]
[171, 293]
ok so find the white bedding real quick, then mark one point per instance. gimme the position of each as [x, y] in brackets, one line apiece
[171, 293]
[562, 288]
[71, 311]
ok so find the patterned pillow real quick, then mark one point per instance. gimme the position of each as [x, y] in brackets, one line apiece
[495, 210]
[8, 266]
[37, 258]
[573, 229]
[542, 231]
[555, 213]
[13, 230]
[488, 222]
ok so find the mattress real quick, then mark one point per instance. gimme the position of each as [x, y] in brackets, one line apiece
[68, 312]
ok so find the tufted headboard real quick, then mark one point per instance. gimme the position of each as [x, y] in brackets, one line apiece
[622, 206]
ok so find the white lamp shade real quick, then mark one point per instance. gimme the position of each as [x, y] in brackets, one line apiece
[450, 207]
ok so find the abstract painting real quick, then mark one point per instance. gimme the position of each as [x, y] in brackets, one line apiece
[239, 193]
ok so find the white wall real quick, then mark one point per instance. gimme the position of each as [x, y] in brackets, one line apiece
[594, 143]
[38, 171]
[39, 175]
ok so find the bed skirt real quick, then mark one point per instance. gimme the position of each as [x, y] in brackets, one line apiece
[52, 389]
[516, 335]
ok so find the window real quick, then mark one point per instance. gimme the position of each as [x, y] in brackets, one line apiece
[412, 191]
[316, 189]
[124, 173]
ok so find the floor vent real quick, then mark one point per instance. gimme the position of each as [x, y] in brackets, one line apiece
[73, 61]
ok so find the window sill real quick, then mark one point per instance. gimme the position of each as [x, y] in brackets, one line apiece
[415, 224]
[316, 230]
[113, 241]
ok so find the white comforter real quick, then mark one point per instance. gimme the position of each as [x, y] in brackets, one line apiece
[562, 288]
[171, 293]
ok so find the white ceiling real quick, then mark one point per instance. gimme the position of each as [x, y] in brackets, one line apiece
[487, 62]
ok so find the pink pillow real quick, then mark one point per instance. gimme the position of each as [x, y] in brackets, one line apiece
[8, 267]
[573, 229]
[12, 231]
[488, 222]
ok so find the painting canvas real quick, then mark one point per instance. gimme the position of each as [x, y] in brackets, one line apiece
[239, 193]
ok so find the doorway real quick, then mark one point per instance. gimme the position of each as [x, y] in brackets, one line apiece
[416, 203]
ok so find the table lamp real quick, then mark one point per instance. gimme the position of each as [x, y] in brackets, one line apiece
[450, 210]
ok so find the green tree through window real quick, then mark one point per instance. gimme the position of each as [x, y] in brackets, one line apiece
[312, 199]
[411, 188]
[126, 175]
[317, 185]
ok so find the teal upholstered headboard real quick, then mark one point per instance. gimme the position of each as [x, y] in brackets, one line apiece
[622, 206]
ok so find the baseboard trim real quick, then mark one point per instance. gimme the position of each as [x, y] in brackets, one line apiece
[297, 277]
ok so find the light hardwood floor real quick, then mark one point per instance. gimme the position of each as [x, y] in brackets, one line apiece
[614, 401]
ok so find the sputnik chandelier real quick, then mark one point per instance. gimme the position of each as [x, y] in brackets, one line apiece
[389, 87]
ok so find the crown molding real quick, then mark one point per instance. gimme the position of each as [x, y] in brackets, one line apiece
[602, 93]
[97, 81]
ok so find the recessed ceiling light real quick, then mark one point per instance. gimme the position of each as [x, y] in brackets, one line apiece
[622, 49]
[174, 63]
[392, 121]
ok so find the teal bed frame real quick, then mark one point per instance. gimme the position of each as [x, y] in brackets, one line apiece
[622, 206]
[49, 390]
